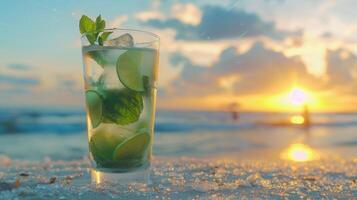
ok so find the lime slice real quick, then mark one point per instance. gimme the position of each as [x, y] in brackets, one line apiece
[103, 144]
[95, 107]
[133, 148]
[97, 156]
[128, 69]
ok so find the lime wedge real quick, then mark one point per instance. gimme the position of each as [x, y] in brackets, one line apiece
[129, 69]
[95, 107]
[133, 148]
[103, 144]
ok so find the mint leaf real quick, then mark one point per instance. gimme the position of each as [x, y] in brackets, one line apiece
[100, 23]
[100, 41]
[122, 106]
[105, 35]
[91, 38]
[86, 25]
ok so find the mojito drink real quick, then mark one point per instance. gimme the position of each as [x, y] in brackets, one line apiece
[120, 92]
[120, 73]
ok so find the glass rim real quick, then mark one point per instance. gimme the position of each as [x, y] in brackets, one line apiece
[156, 37]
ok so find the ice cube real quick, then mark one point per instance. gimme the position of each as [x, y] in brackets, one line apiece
[109, 79]
[125, 40]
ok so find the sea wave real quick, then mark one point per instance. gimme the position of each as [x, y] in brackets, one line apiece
[74, 122]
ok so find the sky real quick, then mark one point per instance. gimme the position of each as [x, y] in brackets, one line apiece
[213, 54]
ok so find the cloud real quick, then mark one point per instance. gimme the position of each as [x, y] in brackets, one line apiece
[184, 31]
[220, 23]
[187, 13]
[150, 15]
[51, 89]
[16, 80]
[20, 67]
[118, 21]
[341, 70]
[259, 70]
[260, 73]
[184, 13]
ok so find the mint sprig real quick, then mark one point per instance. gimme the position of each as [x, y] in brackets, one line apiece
[93, 29]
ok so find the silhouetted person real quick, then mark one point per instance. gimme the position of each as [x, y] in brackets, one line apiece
[306, 115]
[235, 115]
[233, 108]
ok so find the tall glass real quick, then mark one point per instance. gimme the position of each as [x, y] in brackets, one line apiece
[120, 76]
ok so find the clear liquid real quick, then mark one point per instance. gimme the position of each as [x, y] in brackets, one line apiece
[118, 140]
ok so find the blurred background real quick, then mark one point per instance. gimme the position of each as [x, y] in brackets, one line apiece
[238, 78]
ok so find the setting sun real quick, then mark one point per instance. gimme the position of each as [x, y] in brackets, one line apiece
[293, 100]
[298, 96]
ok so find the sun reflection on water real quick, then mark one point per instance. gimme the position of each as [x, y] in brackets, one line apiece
[297, 119]
[300, 153]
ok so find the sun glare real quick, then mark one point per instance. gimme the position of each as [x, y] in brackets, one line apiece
[298, 96]
[293, 100]
[300, 153]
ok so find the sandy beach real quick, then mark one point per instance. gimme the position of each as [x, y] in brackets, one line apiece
[185, 178]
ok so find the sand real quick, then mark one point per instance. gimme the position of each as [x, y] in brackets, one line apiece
[185, 178]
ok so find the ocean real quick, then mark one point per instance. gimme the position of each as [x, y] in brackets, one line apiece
[61, 135]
